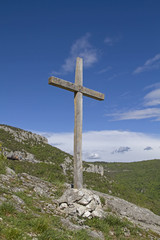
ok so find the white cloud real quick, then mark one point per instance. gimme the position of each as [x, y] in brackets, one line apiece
[153, 98]
[150, 64]
[99, 145]
[149, 111]
[137, 114]
[80, 48]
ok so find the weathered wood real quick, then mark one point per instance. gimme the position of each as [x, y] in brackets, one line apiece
[78, 106]
[79, 91]
[57, 82]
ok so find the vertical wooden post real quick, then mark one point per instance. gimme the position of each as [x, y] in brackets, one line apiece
[78, 105]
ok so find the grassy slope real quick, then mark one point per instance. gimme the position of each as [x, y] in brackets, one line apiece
[41, 225]
[137, 182]
[42, 152]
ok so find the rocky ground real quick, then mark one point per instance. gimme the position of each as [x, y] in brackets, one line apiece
[32, 195]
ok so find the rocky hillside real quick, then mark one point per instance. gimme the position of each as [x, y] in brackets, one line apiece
[37, 202]
[25, 146]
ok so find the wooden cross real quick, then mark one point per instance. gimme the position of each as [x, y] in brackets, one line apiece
[79, 91]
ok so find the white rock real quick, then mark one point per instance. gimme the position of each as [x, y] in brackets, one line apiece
[80, 192]
[80, 209]
[87, 214]
[63, 206]
[87, 198]
[98, 212]
[91, 206]
[97, 199]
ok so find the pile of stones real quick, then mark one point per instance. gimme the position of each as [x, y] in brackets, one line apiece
[80, 202]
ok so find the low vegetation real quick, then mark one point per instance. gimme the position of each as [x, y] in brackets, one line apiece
[115, 228]
[18, 226]
[137, 182]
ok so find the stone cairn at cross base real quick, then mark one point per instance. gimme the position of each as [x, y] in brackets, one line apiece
[80, 202]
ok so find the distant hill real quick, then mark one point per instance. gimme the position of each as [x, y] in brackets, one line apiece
[137, 182]
[37, 166]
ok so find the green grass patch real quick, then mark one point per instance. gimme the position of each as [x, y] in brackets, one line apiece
[6, 209]
[51, 173]
[118, 228]
[12, 233]
[45, 227]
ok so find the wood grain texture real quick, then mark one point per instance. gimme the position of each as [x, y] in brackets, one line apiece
[57, 82]
[78, 111]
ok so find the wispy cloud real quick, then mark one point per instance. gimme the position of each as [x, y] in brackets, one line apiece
[137, 114]
[150, 64]
[149, 110]
[116, 75]
[80, 48]
[155, 86]
[100, 145]
[104, 70]
[152, 98]
[110, 41]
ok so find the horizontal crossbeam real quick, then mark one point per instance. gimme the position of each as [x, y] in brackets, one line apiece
[75, 88]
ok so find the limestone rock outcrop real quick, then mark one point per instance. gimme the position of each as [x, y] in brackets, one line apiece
[95, 169]
[21, 135]
[137, 215]
[21, 156]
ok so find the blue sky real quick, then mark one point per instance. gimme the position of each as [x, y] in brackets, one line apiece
[119, 42]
